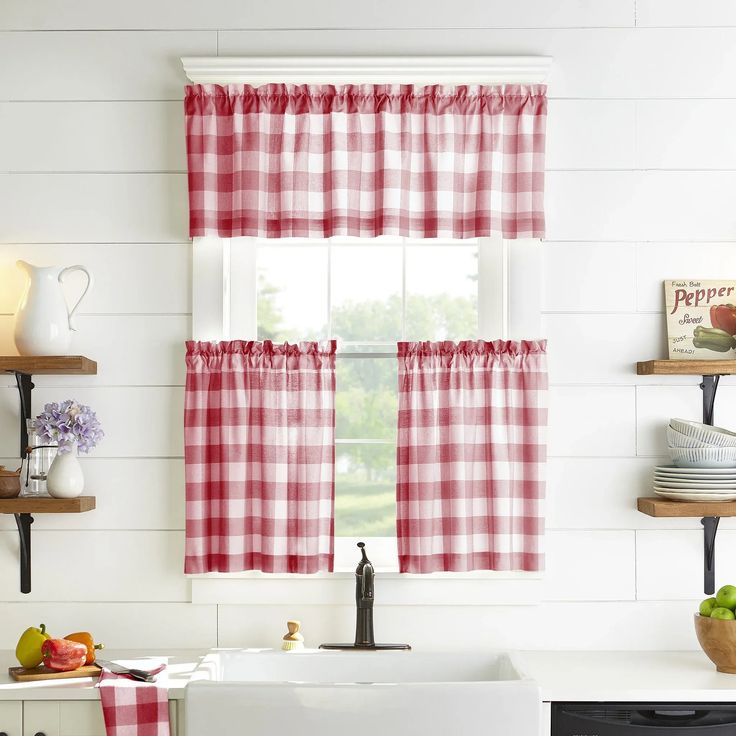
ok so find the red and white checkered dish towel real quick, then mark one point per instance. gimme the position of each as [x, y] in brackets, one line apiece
[133, 708]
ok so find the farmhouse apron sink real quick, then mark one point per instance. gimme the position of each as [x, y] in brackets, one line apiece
[325, 693]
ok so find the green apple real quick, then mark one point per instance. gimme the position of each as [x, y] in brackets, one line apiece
[725, 614]
[726, 597]
[707, 606]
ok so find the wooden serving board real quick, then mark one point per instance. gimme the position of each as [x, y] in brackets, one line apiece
[21, 674]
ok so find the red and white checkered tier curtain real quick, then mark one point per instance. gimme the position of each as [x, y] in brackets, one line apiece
[366, 160]
[471, 455]
[259, 430]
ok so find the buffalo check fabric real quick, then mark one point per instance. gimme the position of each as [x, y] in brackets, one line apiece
[259, 452]
[133, 708]
[471, 455]
[366, 160]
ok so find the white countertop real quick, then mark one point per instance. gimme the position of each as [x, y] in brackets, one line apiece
[180, 665]
[628, 676]
[562, 676]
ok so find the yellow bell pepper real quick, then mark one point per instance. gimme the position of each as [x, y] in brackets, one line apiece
[28, 650]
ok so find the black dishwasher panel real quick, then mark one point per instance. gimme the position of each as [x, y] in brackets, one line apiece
[637, 719]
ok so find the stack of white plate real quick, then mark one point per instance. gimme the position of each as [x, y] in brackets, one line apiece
[695, 484]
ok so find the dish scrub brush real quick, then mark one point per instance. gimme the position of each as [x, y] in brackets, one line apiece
[293, 640]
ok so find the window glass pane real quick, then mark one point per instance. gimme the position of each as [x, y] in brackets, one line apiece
[292, 292]
[365, 490]
[366, 398]
[442, 292]
[366, 292]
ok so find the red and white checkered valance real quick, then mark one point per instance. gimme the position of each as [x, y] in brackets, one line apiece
[259, 454]
[366, 160]
[471, 455]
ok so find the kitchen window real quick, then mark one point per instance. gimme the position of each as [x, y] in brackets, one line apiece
[367, 294]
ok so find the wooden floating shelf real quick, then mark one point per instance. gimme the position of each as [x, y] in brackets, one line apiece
[662, 507]
[68, 365]
[686, 367]
[24, 367]
[47, 505]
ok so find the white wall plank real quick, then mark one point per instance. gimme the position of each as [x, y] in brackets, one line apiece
[156, 626]
[591, 421]
[58, 208]
[602, 561]
[670, 563]
[680, 13]
[588, 277]
[646, 205]
[410, 14]
[656, 262]
[92, 136]
[590, 134]
[140, 493]
[685, 134]
[601, 348]
[686, 205]
[593, 626]
[592, 205]
[123, 566]
[135, 278]
[118, 65]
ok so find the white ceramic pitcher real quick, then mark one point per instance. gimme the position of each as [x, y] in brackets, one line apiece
[43, 322]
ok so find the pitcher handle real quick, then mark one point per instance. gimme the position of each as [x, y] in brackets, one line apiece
[67, 270]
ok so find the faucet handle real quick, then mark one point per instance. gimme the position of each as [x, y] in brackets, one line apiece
[364, 556]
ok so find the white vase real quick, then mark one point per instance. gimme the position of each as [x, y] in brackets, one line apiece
[43, 321]
[65, 478]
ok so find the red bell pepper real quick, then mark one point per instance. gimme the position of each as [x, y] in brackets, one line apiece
[723, 316]
[63, 655]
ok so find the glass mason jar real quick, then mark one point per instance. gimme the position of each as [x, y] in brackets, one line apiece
[36, 464]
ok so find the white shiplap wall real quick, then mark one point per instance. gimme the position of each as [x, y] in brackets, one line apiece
[642, 172]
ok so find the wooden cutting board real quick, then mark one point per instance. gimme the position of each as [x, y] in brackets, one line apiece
[21, 674]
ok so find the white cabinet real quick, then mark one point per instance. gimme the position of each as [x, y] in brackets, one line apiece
[66, 718]
[11, 718]
[63, 718]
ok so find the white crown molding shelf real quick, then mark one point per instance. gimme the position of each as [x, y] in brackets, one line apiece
[257, 70]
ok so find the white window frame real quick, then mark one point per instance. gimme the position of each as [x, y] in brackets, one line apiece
[509, 307]
[509, 289]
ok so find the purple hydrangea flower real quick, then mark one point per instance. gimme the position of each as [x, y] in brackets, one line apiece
[67, 423]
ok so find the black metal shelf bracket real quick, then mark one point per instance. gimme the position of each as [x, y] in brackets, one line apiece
[710, 527]
[24, 522]
[25, 386]
[709, 387]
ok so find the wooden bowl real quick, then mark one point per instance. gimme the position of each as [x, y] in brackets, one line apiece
[718, 640]
[9, 483]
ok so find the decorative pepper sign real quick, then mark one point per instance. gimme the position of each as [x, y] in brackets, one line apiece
[701, 319]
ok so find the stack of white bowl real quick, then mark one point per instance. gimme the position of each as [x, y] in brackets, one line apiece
[704, 460]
